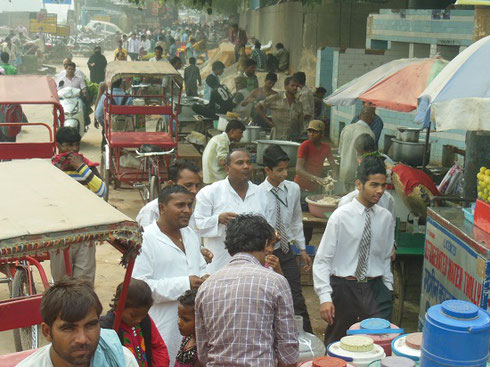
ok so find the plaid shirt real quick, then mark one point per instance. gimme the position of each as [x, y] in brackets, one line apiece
[245, 317]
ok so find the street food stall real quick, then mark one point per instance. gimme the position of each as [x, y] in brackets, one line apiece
[456, 260]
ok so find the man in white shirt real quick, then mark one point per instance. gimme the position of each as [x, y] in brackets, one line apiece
[222, 201]
[71, 310]
[133, 47]
[347, 149]
[285, 215]
[62, 73]
[71, 80]
[145, 45]
[351, 272]
[170, 262]
[182, 173]
[216, 151]
[158, 54]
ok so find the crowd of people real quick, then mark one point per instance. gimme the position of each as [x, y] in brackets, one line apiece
[217, 281]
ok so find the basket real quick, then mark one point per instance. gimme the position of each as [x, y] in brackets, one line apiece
[320, 210]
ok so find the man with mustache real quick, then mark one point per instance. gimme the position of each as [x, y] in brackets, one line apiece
[351, 272]
[170, 261]
[71, 311]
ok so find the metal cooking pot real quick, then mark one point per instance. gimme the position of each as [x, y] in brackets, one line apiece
[289, 147]
[409, 153]
[408, 134]
[251, 134]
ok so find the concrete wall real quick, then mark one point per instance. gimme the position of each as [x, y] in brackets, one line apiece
[335, 23]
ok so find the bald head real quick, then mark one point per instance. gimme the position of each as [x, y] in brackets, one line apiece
[367, 113]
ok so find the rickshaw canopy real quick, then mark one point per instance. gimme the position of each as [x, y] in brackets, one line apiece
[29, 89]
[118, 69]
[43, 208]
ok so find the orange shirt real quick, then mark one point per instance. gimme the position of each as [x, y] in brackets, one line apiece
[314, 157]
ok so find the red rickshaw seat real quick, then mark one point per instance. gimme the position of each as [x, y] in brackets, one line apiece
[26, 150]
[12, 359]
[136, 139]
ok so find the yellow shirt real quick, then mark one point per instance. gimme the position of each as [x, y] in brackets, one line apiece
[123, 50]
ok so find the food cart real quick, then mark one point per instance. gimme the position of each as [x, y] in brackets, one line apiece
[456, 260]
[44, 210]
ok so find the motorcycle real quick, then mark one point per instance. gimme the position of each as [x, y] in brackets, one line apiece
[74, 108]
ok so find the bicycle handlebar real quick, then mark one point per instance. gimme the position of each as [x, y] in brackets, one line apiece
[152, 154]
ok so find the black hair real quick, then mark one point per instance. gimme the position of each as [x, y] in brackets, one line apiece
[117, 83]
[172, 40]
[370, 165]
[139, 295]
[5, 57]
[180, 165]
[228, 156]
[167, 192]
[288, 80]
[159, 48]
[273, 155]
[69, 299]
[188, 299]
[217, 65]
[365, 144]
[250, 62]
[120, 53]
[71, 63]
[235, 124]
[68, 134]
[300, 77]
[248, 233]
[321, 90]
[271, 76]
[192, 60]
[257, 45]
[174, 60]
[97, 48]
[279, 45]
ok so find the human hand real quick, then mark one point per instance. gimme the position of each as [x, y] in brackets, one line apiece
[327, 312]
[273, 262]
[393, 254]
[75, 160]
[208, 255]
[205, 277]
[306, 260]
[224, 218]
[92, 64]
[195, 281]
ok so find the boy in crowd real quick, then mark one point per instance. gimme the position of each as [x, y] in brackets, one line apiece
[192, 77]
[285, 215]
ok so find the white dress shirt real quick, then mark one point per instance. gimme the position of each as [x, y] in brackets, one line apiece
[78, 73]
[347, 149]
[166, 269]
[338, 252]
[146, 45]
[219, 198]
[74, 82]
[291, 214]
[386, 201]
[133, 46]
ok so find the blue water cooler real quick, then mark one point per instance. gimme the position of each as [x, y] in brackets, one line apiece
[456, 333]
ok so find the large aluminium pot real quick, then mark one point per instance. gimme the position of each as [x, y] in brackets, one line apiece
[251, 133]
[409, 153]
[408, 134]
[289, 147]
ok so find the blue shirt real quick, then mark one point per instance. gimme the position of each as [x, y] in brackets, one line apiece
[99, 111]
[172, 50]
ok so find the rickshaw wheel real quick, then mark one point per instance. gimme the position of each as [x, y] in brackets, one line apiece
[398, 292]
[154, 188]
[106, 176]
[25, 338]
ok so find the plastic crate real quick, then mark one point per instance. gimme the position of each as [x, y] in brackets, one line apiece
[482, 215]
[469, 214]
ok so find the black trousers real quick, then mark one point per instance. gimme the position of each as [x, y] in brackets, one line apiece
[355, 302]
[290, 269]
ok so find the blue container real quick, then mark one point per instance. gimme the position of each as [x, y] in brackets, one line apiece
[456, 333]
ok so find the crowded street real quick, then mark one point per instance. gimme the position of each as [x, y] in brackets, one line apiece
[230, 183]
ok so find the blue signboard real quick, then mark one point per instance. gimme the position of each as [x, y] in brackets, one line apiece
[63, 2]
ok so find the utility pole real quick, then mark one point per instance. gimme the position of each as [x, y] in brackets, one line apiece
[477, 142]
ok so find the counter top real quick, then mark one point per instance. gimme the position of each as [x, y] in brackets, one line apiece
[453, 220]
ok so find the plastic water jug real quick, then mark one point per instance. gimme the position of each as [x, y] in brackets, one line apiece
[356, 349]
[456, 333]
[384, 340]
[310, 346]
[408, 346]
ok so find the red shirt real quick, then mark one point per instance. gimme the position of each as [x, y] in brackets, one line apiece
[314, 158]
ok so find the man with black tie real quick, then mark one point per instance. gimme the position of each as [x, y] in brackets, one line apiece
[351, 271]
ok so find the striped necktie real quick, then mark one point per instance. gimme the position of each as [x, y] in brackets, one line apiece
[284, 243]
[362, 263]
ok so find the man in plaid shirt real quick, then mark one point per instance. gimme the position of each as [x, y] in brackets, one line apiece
[244, 312]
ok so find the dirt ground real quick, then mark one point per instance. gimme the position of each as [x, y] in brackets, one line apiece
[110, 273]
